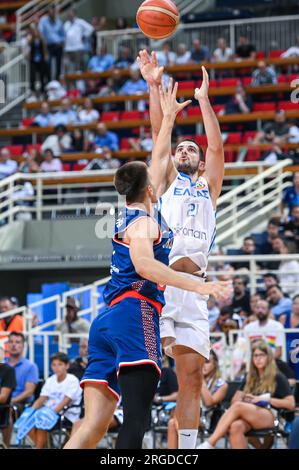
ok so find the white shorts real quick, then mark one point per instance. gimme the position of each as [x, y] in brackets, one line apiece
[185, 320]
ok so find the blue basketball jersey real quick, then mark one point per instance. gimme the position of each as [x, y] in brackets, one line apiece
[124, 278]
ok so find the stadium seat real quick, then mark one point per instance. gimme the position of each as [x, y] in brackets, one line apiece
[66, 167]
[260, 55]
[201, 139]
[248, 135]
[187, 85]
[33, 146]
[225, 82]
[124, 144]
[264, 107]
[194, 111]
[15, 150]
[246, 81]
[218, 107]
[229, 156]
[110, 116]
[26, 122]
[127, 115]
[79, 166]
[287, 105]
[281, 78]
[75, 93]
[234, 138]
[275, 54]
[253, 155]
[293, 76]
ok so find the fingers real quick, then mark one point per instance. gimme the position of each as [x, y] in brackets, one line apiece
[154, 59]
[205, 75]
[175, 89]
[184, 104]
[170, 87]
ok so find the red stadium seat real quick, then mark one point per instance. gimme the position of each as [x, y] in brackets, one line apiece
[79, 166]
[260, 55]
[110, 116]
[33, 146]
[253, 155]
[194, 111]
[201, 139]
[246, 81]
[281, 78]
[218, 107]
[264, 107]
[66, 167]
[287, 106]
[248, 135]
[229, 156]
[124, 144]
[75, 93]
[275, 54]
[188, 85]
[15, 150]
[293, 76]
[228, 82]
[234, 138]
[26, 122]
[130, 115]
[212, 83]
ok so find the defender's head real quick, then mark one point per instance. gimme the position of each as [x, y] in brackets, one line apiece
[189, 158]
[133, 181]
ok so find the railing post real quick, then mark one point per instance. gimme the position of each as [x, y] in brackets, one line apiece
[10, 202]
[252, 266]
[39, 195]
[232, 36]
[235, 216]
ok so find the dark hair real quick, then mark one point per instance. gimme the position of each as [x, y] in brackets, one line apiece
[214, 356]
[12, 300]
[131, 180]
[274, 221]
[60, 356]
[271, 275]
[226, 310]
[295, 297]
[276, 286]
[201, 153]
[243, 279]
[48, 150]
[249, 238]
[18, 334]
[60, 127]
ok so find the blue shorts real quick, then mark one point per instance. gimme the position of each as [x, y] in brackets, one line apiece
[126, 334]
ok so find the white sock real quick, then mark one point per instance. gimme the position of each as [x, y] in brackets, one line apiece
[187, 438]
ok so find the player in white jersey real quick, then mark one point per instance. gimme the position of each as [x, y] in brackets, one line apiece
[188, 184]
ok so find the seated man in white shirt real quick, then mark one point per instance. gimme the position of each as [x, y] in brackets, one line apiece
[7, 165]
[60, 390]
[50, 163]
[266, 328]
[58, 142]
[166, 57]
[292, 51]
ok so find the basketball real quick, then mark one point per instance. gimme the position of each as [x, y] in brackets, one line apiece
[158, 19]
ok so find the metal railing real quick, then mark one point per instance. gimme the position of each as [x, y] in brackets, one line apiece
[257, 198]
[14, 78]
[264, 33]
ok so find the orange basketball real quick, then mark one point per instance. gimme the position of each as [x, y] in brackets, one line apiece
[158, 19]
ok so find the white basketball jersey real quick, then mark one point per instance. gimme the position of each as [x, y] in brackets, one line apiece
[188, 211]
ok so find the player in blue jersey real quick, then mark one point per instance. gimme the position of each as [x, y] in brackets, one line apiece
[124, 341]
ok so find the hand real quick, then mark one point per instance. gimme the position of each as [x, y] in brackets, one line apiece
[222, 289]
[203, 91]
[249, 398]
[149, 68]
[170, 106]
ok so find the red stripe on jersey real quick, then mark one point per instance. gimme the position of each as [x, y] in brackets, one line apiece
[136, 295]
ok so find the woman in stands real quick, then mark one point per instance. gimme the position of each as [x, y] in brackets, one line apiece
[213, 392]
[124, 351]
[255, 405]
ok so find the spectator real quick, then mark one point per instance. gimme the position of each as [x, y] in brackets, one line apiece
[59, 142]
[144, 143]
[56, 90]
[88, 114]
[77, 144]
[268, 236]
[245, 50]
[199, 53]
[183, 56]
[291, 320]
[51, 29]
[254, 299]
[7, 165]
[106, 162]
[248, 249]
[166, 57]
[241, 297]
[292, 51]
[7, 386]
[12, 322]
[213, 392]
[291, 228]
[135, 85]
[101, 61]
[241, 102]
[290, 196]
[125, 59]
[65, 116]
[226, 321]
[270, 279]
[38, 58]
[263, 75]
[213, 310]
[44, 119]
[78, 365]
[273, 132]
[111, 88]
[279, 304]
[50, 163]
[106, 138]
[288, 269]
[76, 32]
[265, 328]
[121, 23]
[253, 406]
[293, 136]
[167, 388]
[60, 390]
[98, 24]
[31, 162]
[72, 323]
[223, 53]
